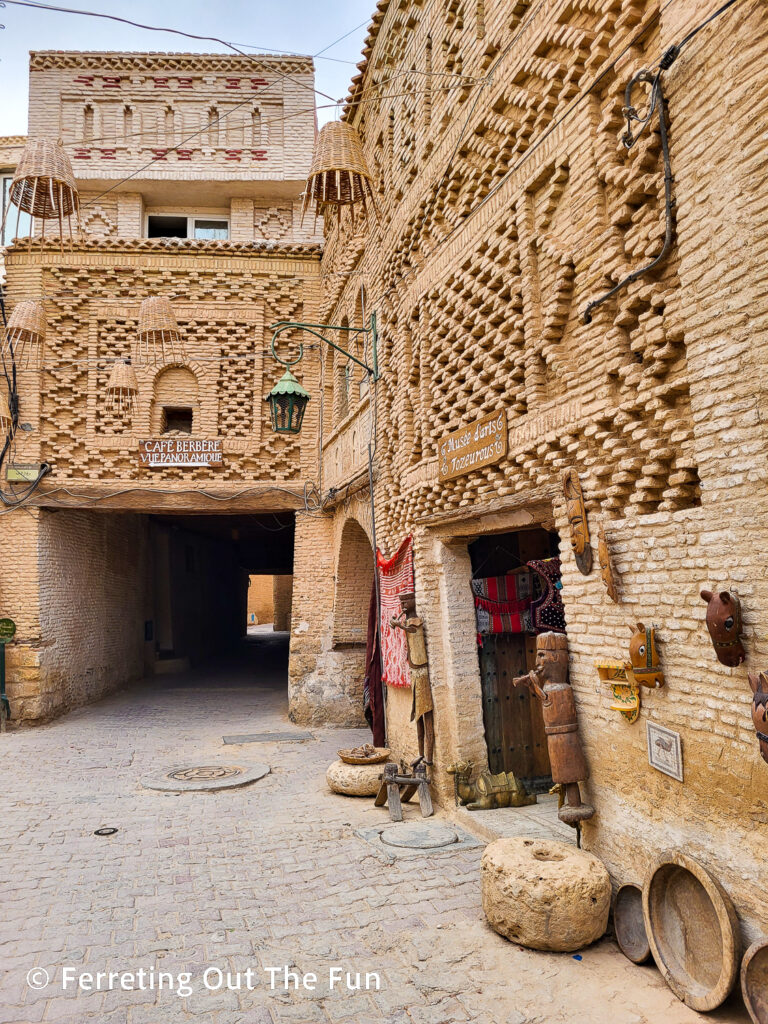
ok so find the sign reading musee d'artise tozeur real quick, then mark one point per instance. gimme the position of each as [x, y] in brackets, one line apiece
[477, 444]
[179, 451]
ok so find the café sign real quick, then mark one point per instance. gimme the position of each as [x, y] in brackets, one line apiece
[476, 445]
[161, 452]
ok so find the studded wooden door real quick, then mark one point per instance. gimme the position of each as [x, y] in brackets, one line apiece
[514, 727]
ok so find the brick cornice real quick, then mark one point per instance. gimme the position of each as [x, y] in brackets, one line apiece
[175, 247]
[45, 60]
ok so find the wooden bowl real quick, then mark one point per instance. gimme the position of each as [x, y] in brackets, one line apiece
[754, 981]
[629, 924]
[382, 753]
[692, 930]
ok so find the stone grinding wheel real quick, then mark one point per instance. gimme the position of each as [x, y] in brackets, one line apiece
[754, 981]
[629, 924]
[692, 929]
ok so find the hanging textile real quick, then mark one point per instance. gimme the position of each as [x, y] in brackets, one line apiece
[502, 604]
[547, 609]
[373, 696]
[395, 578]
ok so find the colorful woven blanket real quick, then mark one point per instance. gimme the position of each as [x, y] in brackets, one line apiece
[395, 578]
[502, 604]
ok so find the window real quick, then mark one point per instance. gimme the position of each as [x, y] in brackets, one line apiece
[10, 231]
[178, 226]
[177, 418]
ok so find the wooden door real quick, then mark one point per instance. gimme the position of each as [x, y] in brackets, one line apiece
[514, 727]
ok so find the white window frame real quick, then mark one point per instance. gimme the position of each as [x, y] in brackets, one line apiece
[191, 218]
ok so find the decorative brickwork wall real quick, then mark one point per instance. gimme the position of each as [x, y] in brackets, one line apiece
[261, 602]
[507, 205]
[282, 599]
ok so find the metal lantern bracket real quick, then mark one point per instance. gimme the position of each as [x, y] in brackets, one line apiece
[315, 329]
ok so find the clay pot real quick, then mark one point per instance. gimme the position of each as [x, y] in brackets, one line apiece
[754, 981]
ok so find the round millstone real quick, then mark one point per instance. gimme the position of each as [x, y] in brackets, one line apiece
[195, 778]
[414, 835]
[544, 894]
[354, 779]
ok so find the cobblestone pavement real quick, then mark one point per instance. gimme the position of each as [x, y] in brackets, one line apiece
[270, 875]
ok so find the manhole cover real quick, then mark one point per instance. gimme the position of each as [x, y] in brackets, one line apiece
[205, 773]
[187, 778]
[417, 836]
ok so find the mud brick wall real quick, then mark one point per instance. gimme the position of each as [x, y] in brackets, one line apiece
[499, 223]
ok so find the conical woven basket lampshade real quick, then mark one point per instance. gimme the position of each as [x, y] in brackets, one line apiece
[339, 174]
[44, 185]
[5, 413]
[26, 334]
[122, 388]
[159, 335]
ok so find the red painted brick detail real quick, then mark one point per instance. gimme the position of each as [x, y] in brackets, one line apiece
[82, 154]
[111, 82]
[161, 83]
[232, 83]
[256, 83]
[259, 154]
[184, 154]
[234, 154]
[108, 154]
[160, 154]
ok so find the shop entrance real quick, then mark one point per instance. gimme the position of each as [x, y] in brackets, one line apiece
[507, 589]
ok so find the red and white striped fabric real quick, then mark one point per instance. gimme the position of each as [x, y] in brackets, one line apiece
[395, 578]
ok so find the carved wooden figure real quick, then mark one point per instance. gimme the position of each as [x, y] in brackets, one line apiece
[422, 709]
[644, 656]
[606, 569]
[577, 517]
[759, 684]
[548, 681]
[724, 625]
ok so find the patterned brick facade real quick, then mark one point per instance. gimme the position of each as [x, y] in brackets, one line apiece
[508, 203]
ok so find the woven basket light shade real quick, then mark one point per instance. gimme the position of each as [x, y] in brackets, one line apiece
[339, 174]
[159, 336]
[122, 388]
[44, 184]
[26, 334]
[6, 423]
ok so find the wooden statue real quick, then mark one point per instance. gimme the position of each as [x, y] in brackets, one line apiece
[606, 569]
[548, 681]
[644, 656]
[577, 517]
[759, 684]
[488, 791]
[724, 625]
[422, 709]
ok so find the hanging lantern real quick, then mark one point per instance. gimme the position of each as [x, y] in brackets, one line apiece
[6, 421]
[159, 335]
[288, 401]
[44, 186]
[25, 335]
[122, 388]
[339, 174]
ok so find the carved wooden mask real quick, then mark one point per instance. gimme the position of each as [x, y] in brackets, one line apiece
[606, 569]
[644, 656]
[724, 625]
[759, 684]
[577, 517]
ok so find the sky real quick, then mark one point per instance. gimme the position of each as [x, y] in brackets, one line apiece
[295, 26]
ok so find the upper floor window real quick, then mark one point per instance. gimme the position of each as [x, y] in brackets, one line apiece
[10, 232]
[162, 225]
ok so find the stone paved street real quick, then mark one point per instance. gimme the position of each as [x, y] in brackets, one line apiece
[272, 874]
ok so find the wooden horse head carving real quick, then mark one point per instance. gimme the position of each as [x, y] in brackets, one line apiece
[724, 625]
[644, 655]
[759, 684]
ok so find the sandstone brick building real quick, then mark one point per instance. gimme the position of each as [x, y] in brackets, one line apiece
[507, 203]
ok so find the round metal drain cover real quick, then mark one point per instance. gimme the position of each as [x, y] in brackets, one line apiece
[418, 836]
[189, 778]
[206, 773]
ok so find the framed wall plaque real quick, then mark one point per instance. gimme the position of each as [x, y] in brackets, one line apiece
[471, 447]
[179, 451]
[665, 752]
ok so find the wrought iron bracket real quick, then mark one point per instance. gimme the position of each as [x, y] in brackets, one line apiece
[629, 138]
[315, 329]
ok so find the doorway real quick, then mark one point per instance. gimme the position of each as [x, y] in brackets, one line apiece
[505, 588]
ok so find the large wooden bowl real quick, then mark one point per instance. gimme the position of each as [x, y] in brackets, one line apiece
[382, 753]
[629, 924]
[692, 930]
[754, 981]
